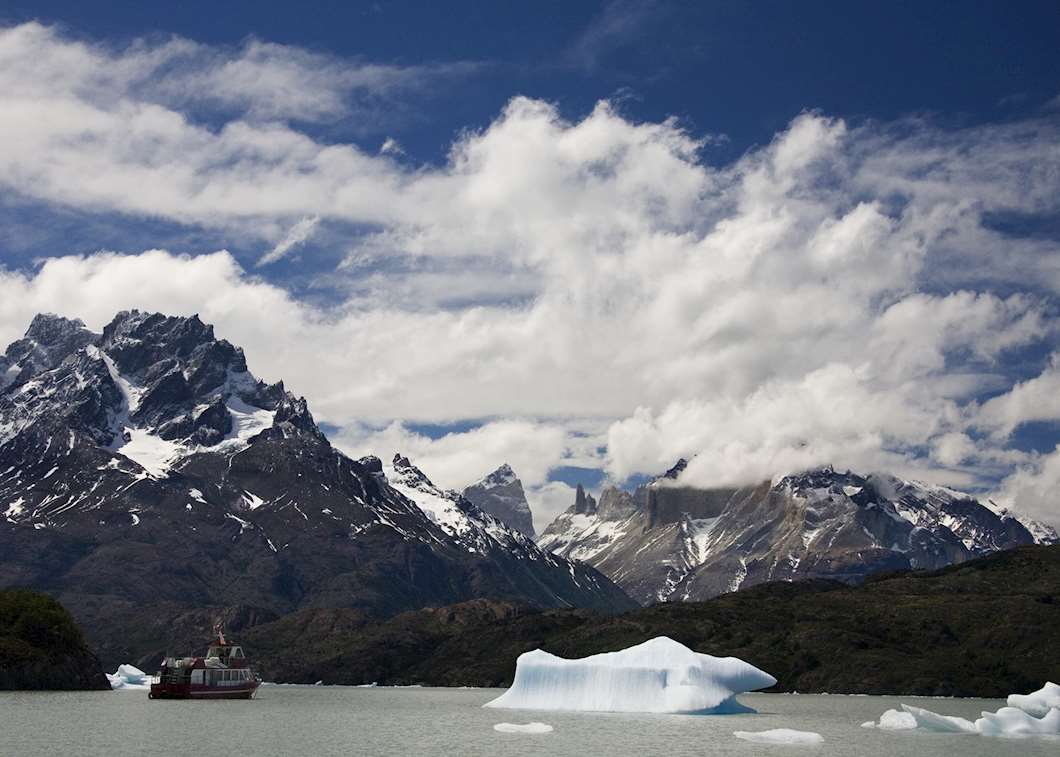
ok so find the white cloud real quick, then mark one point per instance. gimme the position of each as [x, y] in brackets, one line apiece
[296, 236]
[1034, 488]
[838, 295]
[457, 459]
[549, 500]
[1036, 399]
[391, 146]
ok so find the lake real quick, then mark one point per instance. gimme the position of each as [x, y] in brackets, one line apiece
[321, 721]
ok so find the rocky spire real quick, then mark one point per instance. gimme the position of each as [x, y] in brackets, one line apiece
[584, 503]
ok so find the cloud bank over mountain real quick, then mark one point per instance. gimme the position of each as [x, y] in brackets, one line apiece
[586, 291]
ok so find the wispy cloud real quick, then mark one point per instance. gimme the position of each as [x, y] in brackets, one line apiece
[296, 236]
[617, 25]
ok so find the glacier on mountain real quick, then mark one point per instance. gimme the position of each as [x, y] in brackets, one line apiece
[659, 675]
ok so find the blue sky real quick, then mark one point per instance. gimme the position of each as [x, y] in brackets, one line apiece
[796, 233]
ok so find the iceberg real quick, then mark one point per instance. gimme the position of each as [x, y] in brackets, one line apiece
[1012, 721]
[893, 720]
[659, 675]
[129, 677]
[931, 721]
[1037, 703]
[523, 728]
[780, 736]
[1034, 714]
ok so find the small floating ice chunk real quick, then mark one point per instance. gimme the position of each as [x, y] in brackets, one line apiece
[896, 720]
[780, 736]
[659, 675]
[931, 721]
[523, 727]
[1037, 703]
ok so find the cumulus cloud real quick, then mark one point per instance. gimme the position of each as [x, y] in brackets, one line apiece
[842, 294]
[1032, 488]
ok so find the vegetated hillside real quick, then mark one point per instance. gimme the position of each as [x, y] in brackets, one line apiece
[42, 648]
[987, 627]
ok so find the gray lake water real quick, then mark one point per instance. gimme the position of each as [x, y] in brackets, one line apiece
[324, 721]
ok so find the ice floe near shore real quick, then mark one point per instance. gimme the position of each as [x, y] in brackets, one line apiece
[780, 736]
[1035, 714]
[534, 728]
[129, 677]
[659, 675]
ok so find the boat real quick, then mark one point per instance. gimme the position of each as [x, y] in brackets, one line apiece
[224, 673]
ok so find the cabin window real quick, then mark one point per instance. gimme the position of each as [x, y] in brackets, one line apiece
[237, 653]
[197, 676]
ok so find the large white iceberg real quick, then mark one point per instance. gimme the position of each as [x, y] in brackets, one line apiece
[659, 675]
[129, 677]
[1035, 714]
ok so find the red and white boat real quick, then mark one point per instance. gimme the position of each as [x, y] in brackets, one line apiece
[224, 673]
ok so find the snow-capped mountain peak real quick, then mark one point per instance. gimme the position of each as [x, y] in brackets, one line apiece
[501, 494]
[152, 447]
[676, 542]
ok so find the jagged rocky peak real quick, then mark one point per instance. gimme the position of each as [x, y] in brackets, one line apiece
[50, 329]
[584, 503]
[409, 475]
[153, 388]
[49, 340]
[156, 344]
[615, 504]
[503, 476]
[501, 495]
[675, 472]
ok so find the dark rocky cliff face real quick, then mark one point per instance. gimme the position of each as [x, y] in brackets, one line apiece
[147, 467]
[501, 495]
[41, 648]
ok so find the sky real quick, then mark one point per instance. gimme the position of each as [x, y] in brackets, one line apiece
[585, 239]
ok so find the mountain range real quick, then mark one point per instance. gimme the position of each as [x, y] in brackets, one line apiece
[145, 472]
[153, 484]
[667, 541]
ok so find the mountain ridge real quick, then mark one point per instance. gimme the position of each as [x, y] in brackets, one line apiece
[667, 541]
[147, 465]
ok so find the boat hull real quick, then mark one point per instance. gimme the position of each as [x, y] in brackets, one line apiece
[189, 691]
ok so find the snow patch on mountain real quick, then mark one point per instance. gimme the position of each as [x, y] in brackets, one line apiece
[150, 451]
